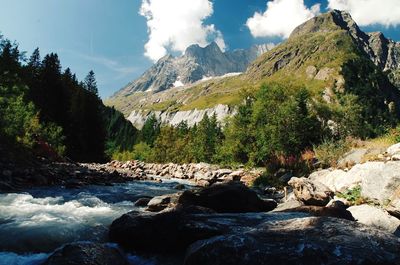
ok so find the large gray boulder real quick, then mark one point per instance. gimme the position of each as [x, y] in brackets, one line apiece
[311, 192]
[86, 253]
[376, 217]
[378, 180]
[300, 241]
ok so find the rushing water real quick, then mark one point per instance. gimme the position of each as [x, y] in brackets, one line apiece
[34, 223]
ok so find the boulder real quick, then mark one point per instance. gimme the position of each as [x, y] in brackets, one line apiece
[376, 217]
[300, 241]
[86, 253]
[229, 197]
[174, 230]
[311, 192]
[379, 180]
[337, 180]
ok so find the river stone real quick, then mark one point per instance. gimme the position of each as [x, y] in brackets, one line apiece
[300, 241]
[86, 253]
[310, 192]
[228, 197]
[142, 202]
[378, 218]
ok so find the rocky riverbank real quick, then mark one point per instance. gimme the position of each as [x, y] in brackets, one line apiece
[201, 174]
[42, 172]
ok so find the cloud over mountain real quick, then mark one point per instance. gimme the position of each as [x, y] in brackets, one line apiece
[280, 18]
[176, 24]
[369, 12]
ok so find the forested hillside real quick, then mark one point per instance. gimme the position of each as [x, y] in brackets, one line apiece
[45, 110]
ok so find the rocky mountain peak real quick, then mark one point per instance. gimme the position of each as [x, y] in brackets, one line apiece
[328, 22]
[383, 52]
[194, 65]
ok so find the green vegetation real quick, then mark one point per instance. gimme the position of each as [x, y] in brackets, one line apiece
[353, 196]
[46, 111]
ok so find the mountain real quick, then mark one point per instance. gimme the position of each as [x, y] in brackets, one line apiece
[329, 55]
[196, 64]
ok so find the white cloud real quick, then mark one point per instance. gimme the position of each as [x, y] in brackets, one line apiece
[176, 24]
[281, 18]
[369, 12]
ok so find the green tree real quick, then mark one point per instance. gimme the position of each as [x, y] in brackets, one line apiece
[150, 130]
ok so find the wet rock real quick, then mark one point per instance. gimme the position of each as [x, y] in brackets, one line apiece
[376, 217]
[311, 192]
[230, 197]
[300, 241]
[86, 254]
[142, 202]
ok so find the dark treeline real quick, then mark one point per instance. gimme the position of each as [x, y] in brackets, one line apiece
[46, 109]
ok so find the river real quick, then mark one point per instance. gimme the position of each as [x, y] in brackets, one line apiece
[35, 222]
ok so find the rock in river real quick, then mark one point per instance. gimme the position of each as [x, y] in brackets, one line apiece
[230, 197]
[86, 253]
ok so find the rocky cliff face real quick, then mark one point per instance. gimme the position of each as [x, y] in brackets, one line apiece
[138, 118]
[196, 64]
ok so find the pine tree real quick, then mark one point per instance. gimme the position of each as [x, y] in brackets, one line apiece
[91, 84]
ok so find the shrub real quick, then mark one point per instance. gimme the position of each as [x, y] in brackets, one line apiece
[330, 151]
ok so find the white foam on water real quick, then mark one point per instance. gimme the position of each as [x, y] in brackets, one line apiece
[43, 219]
[9, 258]
[41, 224]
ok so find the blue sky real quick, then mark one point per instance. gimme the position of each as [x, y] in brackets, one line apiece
[109, 36]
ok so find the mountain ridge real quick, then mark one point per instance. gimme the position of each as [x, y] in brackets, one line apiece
[195, 64]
